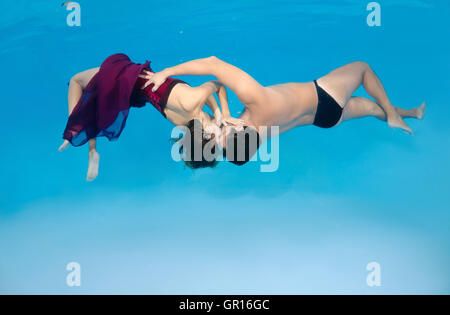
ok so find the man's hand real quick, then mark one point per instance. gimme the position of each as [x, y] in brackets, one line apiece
[155, 78]
[231, 121]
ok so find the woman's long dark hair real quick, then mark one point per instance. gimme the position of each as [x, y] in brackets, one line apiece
[196, 140]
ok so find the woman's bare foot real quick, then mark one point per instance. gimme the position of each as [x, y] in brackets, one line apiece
[64, 146]
[94, 160]
[421, 110]
[395, 121]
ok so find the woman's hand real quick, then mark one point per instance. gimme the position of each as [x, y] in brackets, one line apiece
[156, 78]
[218, 117]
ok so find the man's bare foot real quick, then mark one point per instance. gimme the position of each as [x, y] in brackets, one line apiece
[421, 110]
[396, 121]
[94, 160]
[64, 146]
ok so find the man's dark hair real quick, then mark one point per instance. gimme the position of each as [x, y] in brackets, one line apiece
[241, 145]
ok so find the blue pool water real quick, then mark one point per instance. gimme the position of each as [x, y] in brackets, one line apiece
[340, 199]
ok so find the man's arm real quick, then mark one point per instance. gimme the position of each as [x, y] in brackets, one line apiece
[247, 89]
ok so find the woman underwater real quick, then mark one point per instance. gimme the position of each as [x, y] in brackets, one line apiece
[100, 98]
[325, 102]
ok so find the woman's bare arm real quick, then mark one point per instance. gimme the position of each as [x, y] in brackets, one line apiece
[224, 115]
[217, 88]
[222, 94]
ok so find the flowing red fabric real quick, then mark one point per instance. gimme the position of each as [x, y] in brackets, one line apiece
[105, 102]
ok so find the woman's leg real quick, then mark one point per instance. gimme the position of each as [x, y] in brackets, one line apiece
[344, 81]
[74, 94]
[360, 107]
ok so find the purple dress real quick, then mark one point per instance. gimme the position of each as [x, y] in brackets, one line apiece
[103, 108]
